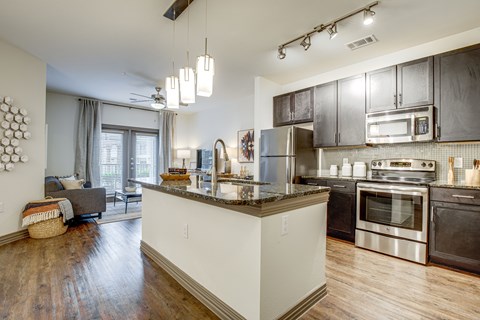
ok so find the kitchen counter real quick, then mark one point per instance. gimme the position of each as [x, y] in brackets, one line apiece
[455, 185]
[234, 244]
[234, 191]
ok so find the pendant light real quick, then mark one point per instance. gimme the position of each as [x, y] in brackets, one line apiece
[187, 76]
[171, 82]
[205, 67]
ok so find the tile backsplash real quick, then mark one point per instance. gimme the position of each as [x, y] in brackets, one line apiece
[428, 151]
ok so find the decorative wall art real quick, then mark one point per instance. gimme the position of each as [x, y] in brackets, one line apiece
[13, 129]
[245, 142]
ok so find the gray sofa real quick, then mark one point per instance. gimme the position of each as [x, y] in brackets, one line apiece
[84, 201]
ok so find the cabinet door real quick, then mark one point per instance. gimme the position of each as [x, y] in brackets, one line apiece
[303, 106]
[382, 89]
[351, 111]
[455, 236]
[282, 109]
[325, 115]
[341, 216]
[457, 94]
[415, 83]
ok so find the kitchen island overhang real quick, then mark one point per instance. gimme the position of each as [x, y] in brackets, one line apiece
[246, 251]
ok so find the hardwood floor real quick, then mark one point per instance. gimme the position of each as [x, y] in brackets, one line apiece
[97, 272]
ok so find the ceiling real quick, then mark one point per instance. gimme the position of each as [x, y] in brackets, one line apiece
[110, 48]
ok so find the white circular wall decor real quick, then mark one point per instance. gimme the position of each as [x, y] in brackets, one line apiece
[13, 129]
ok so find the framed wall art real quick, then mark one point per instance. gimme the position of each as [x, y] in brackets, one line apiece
[246, 144]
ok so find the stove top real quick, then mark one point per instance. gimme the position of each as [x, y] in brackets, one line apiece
[412, 171]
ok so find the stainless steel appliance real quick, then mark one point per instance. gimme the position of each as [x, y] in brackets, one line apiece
[286, 153]
[392, 208]
[400, 126]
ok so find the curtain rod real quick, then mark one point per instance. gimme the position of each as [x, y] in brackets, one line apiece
[115, 104]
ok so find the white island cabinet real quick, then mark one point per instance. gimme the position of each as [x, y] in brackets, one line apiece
[247, 251]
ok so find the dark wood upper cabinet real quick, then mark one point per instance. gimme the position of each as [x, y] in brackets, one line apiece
[282, 109]
[457, 94]
[325, 115]
[351, 111]
[405, 85]
[381, 89]
[415, 83]
[293, 107]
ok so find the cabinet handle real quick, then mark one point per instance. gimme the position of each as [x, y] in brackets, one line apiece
[339, 138]
[312, 184]
[432, 215]
[462, 196]
[338, 186]
[400, 100]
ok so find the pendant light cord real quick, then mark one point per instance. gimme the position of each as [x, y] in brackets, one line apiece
[206, 29]
[173, 41]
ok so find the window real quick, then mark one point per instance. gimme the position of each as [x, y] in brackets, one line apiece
[127, 153]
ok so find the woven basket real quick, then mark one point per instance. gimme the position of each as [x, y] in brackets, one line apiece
[46, 229]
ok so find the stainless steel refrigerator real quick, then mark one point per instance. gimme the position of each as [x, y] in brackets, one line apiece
[286, 153]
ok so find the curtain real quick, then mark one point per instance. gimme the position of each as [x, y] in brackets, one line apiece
[87, 151]
[166, 121]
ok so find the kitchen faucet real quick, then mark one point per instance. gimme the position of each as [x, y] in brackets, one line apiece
[214, 158]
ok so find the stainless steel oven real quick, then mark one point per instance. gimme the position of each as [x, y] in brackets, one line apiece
[392, 208]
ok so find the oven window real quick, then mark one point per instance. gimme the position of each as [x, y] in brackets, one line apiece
[396, 210]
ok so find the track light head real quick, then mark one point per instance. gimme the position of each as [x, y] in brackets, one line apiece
[368, 16]
[282, 53]
[306, 43]
[332, 31]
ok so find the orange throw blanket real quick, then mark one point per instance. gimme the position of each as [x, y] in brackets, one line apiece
[40, 213]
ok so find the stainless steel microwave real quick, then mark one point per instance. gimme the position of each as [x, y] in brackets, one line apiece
[400, 126]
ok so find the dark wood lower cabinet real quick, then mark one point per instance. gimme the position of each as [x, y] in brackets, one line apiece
[341, 217]
[455, 231]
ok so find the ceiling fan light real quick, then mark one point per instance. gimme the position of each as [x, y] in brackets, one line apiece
[173, 94]
[157, 105]
[368, 16]
[187, 85]
[205, 72]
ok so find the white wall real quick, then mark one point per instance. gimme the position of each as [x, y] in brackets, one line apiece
[62, 119]
[200, 130]
[23, 77]
[265, 89]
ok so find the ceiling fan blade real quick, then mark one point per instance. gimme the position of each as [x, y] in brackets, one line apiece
[135, 100]
[140, 95]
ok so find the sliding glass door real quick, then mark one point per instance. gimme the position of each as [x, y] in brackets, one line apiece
[127, 153]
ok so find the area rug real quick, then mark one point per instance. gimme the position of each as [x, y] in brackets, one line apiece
[117, 212]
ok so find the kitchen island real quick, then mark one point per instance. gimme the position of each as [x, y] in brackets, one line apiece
[245, 250]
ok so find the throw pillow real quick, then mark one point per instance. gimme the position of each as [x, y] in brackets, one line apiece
[72, 184]
[70, 177]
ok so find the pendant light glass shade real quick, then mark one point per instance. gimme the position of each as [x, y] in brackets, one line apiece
[187, 85]
[205, 72]
[173, 95]
[157, 105]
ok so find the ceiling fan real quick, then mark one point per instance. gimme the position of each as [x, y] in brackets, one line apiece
[158, 100]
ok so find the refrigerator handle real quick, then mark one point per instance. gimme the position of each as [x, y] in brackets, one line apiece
[288, 170]
[289, 142]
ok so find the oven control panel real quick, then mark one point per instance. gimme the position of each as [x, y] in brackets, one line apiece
[403, 164]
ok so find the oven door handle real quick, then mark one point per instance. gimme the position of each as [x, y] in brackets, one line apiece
[416, 191]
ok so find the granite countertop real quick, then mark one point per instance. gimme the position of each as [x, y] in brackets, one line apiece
[455, 185]
[335, 178]
[234, 192]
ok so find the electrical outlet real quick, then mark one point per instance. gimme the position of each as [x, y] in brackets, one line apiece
[1, 207]
[185, 230]
[284, 230]
[458, 163]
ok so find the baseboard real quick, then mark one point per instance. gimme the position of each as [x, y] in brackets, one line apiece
[303, 306]
[212, 302]
[12, 237]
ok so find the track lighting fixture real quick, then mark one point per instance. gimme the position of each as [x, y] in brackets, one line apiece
[282, 53]
[368, 16]
[331, 28]
[306, 43]
[332, 31]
